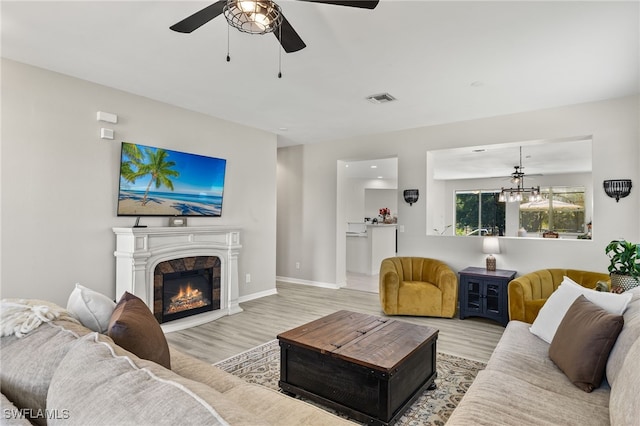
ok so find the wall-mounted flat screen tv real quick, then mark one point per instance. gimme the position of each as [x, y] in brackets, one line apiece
[162, 182]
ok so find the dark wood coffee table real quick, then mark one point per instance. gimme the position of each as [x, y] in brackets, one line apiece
[367, 367]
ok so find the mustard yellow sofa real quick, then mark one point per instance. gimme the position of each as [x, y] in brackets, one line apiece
[529, 292]
[418, 286]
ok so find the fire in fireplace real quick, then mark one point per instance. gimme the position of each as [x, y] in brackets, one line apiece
[187, 298]
[187, 293]
[186, 286]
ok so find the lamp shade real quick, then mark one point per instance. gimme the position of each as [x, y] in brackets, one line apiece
[491, 245]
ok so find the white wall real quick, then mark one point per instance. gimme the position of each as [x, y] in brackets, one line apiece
[60, 181]
[353, 196]
[375, 199]
[364, 197]
[614, 125]
[290, 213]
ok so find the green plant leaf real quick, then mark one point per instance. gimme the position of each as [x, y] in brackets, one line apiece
[625, 258]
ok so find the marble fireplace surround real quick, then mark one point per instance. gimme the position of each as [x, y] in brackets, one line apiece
[140, 250]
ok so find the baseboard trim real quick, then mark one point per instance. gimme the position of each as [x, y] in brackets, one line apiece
[309, 283]
[257, 295]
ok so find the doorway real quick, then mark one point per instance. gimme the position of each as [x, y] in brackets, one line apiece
[364, 187]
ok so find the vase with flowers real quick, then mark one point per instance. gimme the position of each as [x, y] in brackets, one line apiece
[386, 215]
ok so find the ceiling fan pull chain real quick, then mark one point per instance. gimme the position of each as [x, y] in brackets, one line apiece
[228, 57]
[280, 53]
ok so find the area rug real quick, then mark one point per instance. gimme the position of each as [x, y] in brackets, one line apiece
[261, 365]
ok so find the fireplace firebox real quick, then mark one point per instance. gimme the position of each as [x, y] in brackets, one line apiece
[186, 293]
[185, 287]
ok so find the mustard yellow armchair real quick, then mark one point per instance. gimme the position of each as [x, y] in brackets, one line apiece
[418, 286]
[529, 292]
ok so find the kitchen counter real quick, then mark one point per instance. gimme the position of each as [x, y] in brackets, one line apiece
[366, 250]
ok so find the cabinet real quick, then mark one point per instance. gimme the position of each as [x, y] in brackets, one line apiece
[484, 293]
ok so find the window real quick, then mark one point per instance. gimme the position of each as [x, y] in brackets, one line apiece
[478, 212]
[561, 210]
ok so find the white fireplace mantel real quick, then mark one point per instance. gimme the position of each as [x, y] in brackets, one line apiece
[140, 250]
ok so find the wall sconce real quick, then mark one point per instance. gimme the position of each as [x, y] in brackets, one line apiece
[411, 196]
[617, 188]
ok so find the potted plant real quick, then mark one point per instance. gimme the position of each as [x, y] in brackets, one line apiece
[624, 268]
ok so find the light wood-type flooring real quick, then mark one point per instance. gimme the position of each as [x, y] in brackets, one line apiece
[295, 304]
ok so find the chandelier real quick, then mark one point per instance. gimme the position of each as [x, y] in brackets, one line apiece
[518, 193]
[253, 16]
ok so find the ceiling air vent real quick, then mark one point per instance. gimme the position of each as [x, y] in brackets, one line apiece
[381, 98]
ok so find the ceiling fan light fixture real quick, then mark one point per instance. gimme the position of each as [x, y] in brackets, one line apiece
[511, 195]
[247, 6]
[253, 16]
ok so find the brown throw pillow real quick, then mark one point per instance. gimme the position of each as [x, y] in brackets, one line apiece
[581, 345]
[134, 328]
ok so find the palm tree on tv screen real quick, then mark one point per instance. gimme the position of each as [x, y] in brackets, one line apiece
[159, 169]
[134, 158]
[157, 166]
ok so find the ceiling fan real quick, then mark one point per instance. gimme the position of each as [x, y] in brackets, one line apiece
[518, 175]
[259, 17]
[516, 194]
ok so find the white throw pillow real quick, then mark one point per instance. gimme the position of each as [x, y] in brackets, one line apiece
[556, 306]
[91, 308]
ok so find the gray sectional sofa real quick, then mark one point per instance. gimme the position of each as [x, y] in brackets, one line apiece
[521, 385]
[64, 374]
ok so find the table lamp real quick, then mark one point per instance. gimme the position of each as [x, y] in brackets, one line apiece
[491, 246]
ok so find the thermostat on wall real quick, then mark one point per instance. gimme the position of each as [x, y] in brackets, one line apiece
[106, 133]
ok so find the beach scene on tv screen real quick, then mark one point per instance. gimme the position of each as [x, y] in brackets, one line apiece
[162, 182]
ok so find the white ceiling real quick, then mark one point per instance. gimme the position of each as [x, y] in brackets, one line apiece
[444, 61]
[383, 168]
[542, 157]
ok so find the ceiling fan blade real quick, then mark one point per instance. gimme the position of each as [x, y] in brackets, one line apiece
[198, 19]
[363, 4]
[288, 37]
